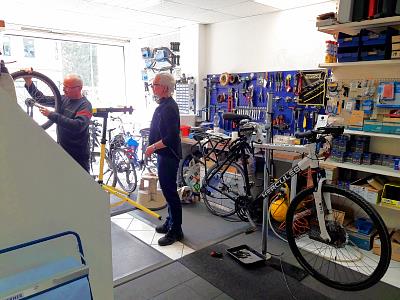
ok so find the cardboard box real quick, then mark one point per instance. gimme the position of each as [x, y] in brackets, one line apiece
[391, 195]
[395, 55]
[331, 172]
[395, 46]
[373, 126]
[396, 39]
[395, 241]
[391, 120]
[363, 241]
[362, 188]
[392, 128]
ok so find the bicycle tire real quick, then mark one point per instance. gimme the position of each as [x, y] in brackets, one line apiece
[226, 206]
[124, 170]
[45, 84]
[343, 279]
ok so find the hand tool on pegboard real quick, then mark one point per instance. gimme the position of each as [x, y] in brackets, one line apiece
[288, 86]
[230, 106]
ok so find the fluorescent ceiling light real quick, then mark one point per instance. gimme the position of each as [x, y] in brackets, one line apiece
[287, 4]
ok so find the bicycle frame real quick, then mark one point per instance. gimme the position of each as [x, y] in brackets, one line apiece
[310, 160]
[103, 113]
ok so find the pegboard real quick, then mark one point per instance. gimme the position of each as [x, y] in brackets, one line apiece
[247, 93]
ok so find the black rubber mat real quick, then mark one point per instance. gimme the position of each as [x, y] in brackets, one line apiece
[240, 282]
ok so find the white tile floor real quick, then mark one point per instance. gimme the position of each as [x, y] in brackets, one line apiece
[147, 234]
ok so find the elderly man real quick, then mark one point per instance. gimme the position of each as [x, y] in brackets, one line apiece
[72, 119]
[164, 140]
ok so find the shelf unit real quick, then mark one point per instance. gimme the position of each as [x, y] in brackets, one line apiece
[376, 169]
[355, 27]
[391, 62]
[375, 134]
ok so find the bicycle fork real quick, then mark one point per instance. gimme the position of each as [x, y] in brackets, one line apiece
[320, 209]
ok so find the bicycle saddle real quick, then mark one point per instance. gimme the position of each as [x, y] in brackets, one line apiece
[235, 117]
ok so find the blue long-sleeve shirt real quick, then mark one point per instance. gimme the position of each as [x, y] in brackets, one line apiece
[165, 126]
[72, 121]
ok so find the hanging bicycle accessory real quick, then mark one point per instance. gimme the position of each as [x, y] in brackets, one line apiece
[43, 92]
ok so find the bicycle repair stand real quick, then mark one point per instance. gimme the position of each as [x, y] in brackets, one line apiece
[103, 113]
[243, 253]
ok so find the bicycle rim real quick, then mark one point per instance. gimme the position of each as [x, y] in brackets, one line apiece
[45, 85]
[125, 170]
[222, 187]
[341, 263]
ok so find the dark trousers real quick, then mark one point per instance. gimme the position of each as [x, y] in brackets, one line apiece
[167, 173]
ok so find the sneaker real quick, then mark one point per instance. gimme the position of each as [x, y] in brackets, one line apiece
[163, 228]
[170, 238]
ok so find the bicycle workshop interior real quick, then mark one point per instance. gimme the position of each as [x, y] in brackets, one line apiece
[290, 133]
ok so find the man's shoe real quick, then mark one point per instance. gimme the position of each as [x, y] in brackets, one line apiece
[170, 238]
[162, 228]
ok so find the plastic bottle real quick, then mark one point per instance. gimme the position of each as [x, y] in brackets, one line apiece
[216, 121]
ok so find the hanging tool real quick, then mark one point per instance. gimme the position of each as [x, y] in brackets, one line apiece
[221, 98]
[260, 97]
[288, 79]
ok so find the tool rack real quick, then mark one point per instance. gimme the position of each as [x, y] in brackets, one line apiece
[298, 97]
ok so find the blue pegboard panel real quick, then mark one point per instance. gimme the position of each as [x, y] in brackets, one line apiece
[246, 93]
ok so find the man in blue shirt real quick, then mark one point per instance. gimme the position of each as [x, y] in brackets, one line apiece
[164, 140]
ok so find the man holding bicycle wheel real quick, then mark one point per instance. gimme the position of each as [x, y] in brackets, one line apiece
[164, 140]
[72, 119]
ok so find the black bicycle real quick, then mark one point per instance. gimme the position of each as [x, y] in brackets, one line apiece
[319, 220]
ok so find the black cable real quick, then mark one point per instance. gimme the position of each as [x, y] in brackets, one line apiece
[283, 273]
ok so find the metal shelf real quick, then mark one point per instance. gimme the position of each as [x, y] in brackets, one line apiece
[382, 135]
[355, 27]
[376, 169]
[387, 62]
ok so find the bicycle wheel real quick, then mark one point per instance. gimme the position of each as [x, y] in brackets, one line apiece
[221, 190]
[340, 263]
[124, 170]
[189, 170]
[49, 93]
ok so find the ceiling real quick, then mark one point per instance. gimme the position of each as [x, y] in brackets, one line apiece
[128, 18]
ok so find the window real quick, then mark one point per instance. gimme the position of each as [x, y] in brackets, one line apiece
[102, 67]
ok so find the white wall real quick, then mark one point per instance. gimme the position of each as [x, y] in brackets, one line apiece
[43, 191]
[286, 40]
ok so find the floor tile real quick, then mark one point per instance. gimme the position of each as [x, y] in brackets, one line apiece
[144, 235]
[156, 237]
[122, 216]
[173, 251]
[139, 225]
[123, 223]
[187, 250]
[392, 277]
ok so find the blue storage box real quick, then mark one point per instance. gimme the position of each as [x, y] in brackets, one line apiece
[363, 241]
[347, 57]
[373, 54]
[347, 40]
[372, 38]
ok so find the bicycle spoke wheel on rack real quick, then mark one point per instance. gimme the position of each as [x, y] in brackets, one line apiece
[220, 190]
[190, 171]
[125, 170]
[339, 263]
[49, 92]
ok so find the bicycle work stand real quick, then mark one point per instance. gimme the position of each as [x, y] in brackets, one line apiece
[103, 113]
